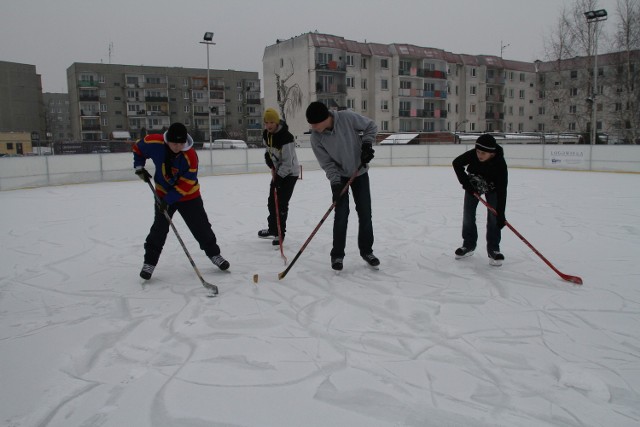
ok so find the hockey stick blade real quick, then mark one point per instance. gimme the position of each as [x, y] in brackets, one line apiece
[573, 279]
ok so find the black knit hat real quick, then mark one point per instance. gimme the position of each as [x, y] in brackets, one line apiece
[487, 143]
[177, 133]
[317, 112]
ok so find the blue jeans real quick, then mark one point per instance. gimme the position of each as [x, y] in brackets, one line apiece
[469, 229]
[362, 198]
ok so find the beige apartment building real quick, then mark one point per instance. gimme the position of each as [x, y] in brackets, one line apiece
[407, 88]
[109, 101]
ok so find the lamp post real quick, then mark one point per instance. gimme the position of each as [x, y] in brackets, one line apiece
[594, 16]
[207, 39]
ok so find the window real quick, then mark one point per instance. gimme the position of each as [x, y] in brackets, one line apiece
[541, 111]
[324, 58]
[573, 109]
[384, 125]
[473, 72]
[404, 84]
[521, 77]
[384, 105]
[511, 93]
[351, 82]
[349, 60]
[521, 111]
[573, 91]
[364, 84]
[574, 74]
[363, 63]
[364, 105]
[187, 109]
[185, 94]
[281, 62]
[472, 108]
[540, 127]
[572, 126]
[521, 95]
[384, 63]
[103, 108]
[351, 103]
[472, 90]
[384, 84]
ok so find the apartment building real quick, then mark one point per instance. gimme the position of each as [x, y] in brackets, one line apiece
[407, 88]
[56, 116]
[109, 99]
[21, 107]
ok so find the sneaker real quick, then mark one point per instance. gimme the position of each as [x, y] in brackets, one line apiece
[220, 262]
[266, 234]
[371, 259]
[147, 271]
[463, 252]
[336, 263]
[496, 258]
[276, 241]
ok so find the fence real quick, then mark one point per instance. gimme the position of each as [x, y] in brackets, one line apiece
[39, 171]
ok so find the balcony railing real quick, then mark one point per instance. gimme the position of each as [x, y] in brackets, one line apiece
[332, 66]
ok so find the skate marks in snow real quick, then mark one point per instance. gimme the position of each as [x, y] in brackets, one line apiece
[425, 340]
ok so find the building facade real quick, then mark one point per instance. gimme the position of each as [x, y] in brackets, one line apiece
[21, 109]
[57, 117]
[108, 98]
[407, 88]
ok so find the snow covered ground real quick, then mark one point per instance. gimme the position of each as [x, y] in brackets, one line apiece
[425, 341]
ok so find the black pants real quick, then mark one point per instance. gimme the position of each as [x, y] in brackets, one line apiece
[194, 215]
[284, 195]
[469, 228]
[362, 198]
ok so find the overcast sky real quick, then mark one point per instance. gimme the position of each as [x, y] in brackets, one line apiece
[54, 34]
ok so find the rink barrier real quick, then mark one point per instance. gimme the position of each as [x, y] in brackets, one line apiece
[42, 171]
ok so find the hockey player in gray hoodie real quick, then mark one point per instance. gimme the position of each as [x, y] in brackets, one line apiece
[342, 142]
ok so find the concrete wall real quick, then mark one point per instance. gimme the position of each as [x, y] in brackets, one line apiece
[38, 171]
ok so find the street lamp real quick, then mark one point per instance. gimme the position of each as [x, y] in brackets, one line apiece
[594, 16]
[208, 37]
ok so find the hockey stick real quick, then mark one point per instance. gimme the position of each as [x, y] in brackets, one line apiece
[275, 197]
[211, 287]
[315, 230]
[573, 279]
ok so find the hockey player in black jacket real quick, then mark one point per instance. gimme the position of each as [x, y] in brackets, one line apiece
[483, 170]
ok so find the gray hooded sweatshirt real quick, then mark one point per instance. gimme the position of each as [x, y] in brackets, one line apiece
[338, 150]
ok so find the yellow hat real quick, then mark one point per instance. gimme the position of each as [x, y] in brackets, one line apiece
[271, 115]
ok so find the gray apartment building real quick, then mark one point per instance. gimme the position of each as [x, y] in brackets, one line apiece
[407, 88]
[107, 101]
[57, 118]
[21, 94]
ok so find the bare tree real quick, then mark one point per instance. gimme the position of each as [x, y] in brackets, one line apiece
[568, 83]
[627, 78]
[289, 96]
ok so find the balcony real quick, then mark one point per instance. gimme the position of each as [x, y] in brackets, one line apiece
[331, 88]
[339, 66]
[84, 84]
[156, 98]
[494, 116]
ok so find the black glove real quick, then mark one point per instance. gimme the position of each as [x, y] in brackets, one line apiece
[143, 174]
[366, 155]
[277, 181]
[268, 161]
[336, 189]
[501, 221]
[161, 204]
[469, 187]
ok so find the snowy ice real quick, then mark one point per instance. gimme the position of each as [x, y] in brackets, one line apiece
[427, 340]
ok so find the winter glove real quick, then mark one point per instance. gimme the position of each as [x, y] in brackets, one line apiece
[469, 187]
[366, 155]
[142, 173]
[268, 161]
[501, 221]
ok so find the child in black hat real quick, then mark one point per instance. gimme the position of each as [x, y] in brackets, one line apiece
[177, 189]
[486, 173]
